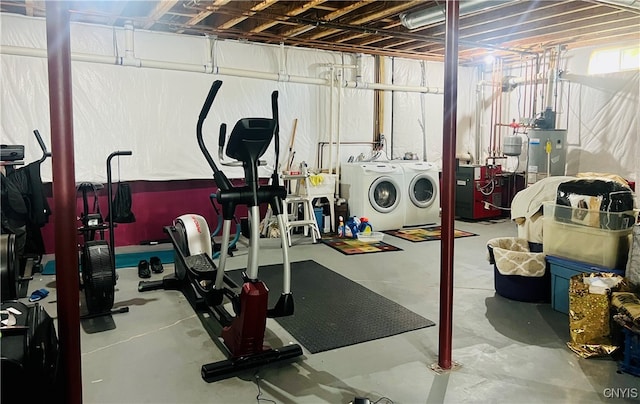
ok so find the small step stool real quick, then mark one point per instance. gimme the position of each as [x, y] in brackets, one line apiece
[291, 204]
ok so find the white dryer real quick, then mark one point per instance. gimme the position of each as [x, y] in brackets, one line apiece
[422, 191]
[374, 190]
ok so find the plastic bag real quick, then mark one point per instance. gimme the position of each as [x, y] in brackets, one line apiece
[122, 205]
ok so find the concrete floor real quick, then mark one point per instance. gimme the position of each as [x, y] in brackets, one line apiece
[508, 351]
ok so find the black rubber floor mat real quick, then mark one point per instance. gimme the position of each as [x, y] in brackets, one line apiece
[332, 311]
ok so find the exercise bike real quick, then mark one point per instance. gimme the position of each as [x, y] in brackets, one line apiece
[206, 287]
[97, 257]
[24, 210]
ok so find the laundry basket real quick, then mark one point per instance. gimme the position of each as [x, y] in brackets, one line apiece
[519, 273]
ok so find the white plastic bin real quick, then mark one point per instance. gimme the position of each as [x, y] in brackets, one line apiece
[594, 245]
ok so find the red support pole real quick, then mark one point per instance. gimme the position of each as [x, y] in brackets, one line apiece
[64, 197]
[448, 182]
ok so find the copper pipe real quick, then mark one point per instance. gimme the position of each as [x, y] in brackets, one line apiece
[64, 198]
[448, 182]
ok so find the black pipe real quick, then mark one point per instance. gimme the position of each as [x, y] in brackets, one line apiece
[110, 203]
[64, 197]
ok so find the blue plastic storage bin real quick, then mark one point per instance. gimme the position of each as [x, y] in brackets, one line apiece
[631, 360]
[562, 270]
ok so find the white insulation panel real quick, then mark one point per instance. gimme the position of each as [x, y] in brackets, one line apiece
[153, 111]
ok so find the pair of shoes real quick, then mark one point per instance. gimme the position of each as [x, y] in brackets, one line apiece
[143, 269]
[156, 265]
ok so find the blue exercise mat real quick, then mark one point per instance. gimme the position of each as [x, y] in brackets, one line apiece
[125, 260]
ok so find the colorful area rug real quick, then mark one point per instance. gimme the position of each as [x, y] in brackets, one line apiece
[349, 246]
[425, 233]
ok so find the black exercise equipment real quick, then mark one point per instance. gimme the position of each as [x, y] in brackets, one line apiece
[208, 288]
[29, 354]
[24, 211]
[97, 257]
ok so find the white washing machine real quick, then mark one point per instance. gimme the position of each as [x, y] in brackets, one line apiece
[374, 190]
[422, 192]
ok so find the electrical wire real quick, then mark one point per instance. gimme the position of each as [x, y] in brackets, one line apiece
[495, 206]
[387, 400]
[258, 398]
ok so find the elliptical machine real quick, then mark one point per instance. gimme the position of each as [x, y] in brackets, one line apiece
[97, 257]
[196, 275]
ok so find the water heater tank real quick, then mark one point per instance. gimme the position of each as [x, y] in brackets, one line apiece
[512, 146]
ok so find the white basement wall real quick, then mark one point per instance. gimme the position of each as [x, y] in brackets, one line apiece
[153, 111]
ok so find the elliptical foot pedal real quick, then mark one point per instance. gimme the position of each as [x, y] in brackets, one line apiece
[202, 265]
[213, 372]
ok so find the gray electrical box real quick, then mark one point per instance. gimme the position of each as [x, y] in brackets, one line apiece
[542, 164]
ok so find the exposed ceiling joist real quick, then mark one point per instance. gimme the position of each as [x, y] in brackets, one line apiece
[509, 30]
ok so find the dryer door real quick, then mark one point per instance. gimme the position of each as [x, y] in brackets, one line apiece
[423, 190]
[384, 194]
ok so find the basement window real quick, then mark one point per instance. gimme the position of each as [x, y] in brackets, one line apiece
[614, 60]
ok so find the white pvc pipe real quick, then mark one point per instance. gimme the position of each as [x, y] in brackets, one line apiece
[187, 67]
[341, 66]
[359, 67]
[283, 67]
[392, 87]
[331, 82]
[551, 79]
[158, 64]
[128, 40]
[338, 137]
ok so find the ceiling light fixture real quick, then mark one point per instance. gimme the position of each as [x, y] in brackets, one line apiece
[436, 14]
[489, 59]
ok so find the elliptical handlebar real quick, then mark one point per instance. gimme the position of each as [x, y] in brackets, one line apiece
[45, 153]
[221, 140]
[274, 111]
[213, 91]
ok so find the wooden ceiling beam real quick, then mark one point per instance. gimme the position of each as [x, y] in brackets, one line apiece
[161, 8]
[540, 17]
[351, 37]
[371, 17]
[258, 7]
[329, 17]
[528, 38]
[28, 7]
[204, 14]
[194, 20]
[116, 12]
[291, 13]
